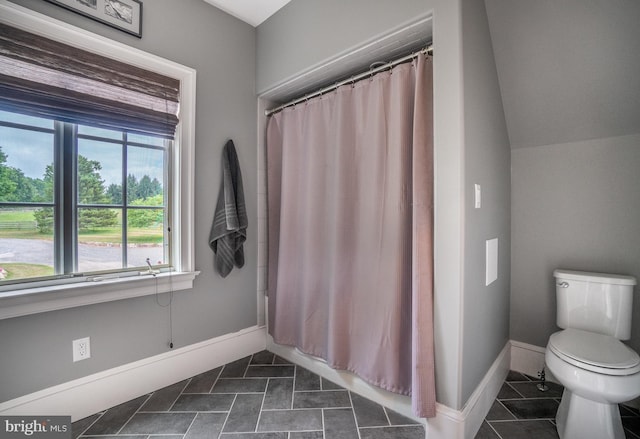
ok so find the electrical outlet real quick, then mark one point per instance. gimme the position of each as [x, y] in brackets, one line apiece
[81, 349]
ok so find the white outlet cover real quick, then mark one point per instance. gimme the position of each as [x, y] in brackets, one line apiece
[81, 349]
[491, 260]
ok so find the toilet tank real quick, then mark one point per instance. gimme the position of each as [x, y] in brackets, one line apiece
[595, 302]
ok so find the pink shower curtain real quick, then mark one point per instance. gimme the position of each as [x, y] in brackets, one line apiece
[350, 211]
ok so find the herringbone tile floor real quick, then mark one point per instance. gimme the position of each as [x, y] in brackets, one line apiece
[257, 397]
[521, 411]
[266, 397]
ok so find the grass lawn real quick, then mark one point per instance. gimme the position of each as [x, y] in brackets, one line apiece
[17, 270]
[16, 215]
[24, 234]
[134, 236]
[151, 235]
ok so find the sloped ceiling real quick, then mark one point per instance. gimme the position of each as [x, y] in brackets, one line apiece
[569, 70]
[253, 12]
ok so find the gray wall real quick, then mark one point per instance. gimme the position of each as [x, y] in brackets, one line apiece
[571, 93]
[575, 206]
[306, 33]
[486, 162]
[36, 350]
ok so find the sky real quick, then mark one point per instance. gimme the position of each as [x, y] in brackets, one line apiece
[32, 151]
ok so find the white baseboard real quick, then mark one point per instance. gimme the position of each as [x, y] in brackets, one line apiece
[464, 424]
[448, 423]
[481, 400]
[527, 358]
[94, 393]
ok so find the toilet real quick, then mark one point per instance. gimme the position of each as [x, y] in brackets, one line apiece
[587, 357]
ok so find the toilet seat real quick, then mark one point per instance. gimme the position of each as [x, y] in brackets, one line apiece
[597, 353]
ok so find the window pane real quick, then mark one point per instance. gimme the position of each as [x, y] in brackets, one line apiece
[99, 172]
[26, 165]
[145, 237]
[145, 176]
[99, 239]
[99, 132]
[27, 175]
[39, 122]
[147, 140]
[26, 243]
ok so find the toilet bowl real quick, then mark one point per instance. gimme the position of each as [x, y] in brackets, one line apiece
[597, 370]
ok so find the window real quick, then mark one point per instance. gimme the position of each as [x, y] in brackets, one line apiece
[78, 200]
[94, 153]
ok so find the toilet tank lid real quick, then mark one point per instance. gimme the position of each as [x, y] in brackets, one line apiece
[587, 276]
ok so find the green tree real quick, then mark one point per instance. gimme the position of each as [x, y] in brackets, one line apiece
[14, 185]
[132, 188]
[38, 189]
[145, 188]
[114, 191]
[44, 219]
[156, 187]
[146, 217]
[7, 185]
[91, 190]
[92, 219]
[44, 216]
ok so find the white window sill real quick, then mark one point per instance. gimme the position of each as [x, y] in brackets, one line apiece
[42, 299]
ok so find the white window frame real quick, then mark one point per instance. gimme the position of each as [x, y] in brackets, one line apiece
[61, 295]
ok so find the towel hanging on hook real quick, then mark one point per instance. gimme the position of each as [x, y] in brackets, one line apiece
[229, 227]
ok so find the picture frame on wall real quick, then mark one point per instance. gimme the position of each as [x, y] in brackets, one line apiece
[124, 15]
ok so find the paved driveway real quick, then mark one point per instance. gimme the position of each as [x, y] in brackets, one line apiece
[90, 257]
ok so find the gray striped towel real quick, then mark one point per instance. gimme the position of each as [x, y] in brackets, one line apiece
[229, 227]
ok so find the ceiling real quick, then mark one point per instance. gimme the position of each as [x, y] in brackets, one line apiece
[568, 70]
[253, 12]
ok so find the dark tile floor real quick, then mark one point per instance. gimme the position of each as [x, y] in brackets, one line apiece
[266, 397]
[257, 397]
[521, 411]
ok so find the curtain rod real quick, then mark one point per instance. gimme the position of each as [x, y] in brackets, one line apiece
[426, 50]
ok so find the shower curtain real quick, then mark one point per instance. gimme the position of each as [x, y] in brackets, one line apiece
[350, 227]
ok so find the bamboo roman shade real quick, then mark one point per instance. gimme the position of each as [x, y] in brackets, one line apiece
[46, 78]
